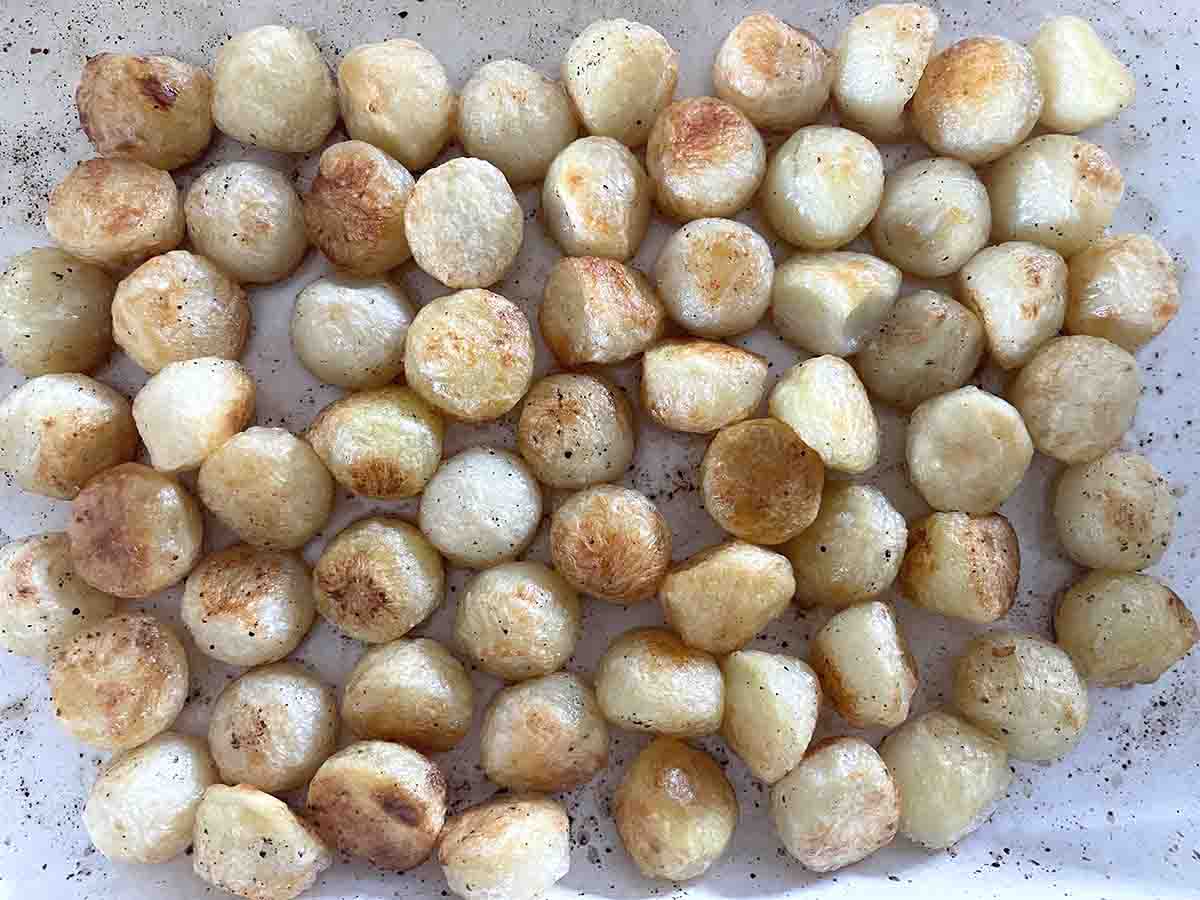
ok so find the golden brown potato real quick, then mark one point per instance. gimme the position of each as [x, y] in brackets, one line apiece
[1078, 396]
[962, 566]
[929, 345]
[649, 680]
[378, 579]
[545, 734]
[119, 683]
[134, 531]
[381, 801]
[155, 109]
[705, 158]
[384, 443]
[612, 543]
[837, 807]
[412, 692]
[721, 598]
[760, 482]
[55, 313]
[852, 551]
[779, 76]
[268, 487]
[354, 211]
[865, 666]
[598, 311]
[822, 400]
[701, 386]
[58, 431]
[675, 811]
[1084, 83]
[1123, 628]
[116, 213]
[576, 431]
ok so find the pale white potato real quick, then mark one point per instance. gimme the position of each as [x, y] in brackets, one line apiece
[384, 443]
[272, 89]
[866, 669]
[397, 96]
[142, 808]
[482, 507]
[464, 224]
[934, 216]
[852, 551]
[950, 774]
[699, 386]
[55, 313]
[57, 431]
[249, 220]
[116, 213]
[967, 451]
[1116, 512]
[596, 199]
[470, 354]
[269, 487]
[879, 62]
[120, 682]
[1078, 396]
[155, 109]
[962, 566]
[760, 481]
[598, 311]
[250, 844]
[1123, 628]
[516, 118]
[1024, 692]
[1084, 84]
[1019, 292]
[273, 727]
[412, 692]
[649, 680]
[546, 734]
[930, 344]
[134, 531]
[977, 99]
[714, 277]
[675, 811]
[179, 306]
[831, 303]
[777, 75]
[576, 431]
[771, 706]
[43, 603]
[1054, 190]
[191, 408]
[720, 599]
[620, 75]
[822, 187]
[518, 620]
[381, 801]
[837, 807]
[1123, 288]
[822, 400]
[350, 331]
[248, 607]
[705, 159]
[512, 848]
[378, 579]
[354, 210]
[611, 543]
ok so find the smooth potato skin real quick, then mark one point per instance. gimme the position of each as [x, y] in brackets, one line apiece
[823, 401]
[1123, 288]
[699, 387]
[1084, 83]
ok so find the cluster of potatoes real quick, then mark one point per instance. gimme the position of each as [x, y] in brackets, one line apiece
[1015, 225]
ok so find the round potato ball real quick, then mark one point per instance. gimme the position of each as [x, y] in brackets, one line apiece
[699, 387]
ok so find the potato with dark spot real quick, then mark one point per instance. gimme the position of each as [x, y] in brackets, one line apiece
[119, 683]
[381, 801]
[134, 531]
[699, 386]
[155, 109]
[771, 705]
[378, 579]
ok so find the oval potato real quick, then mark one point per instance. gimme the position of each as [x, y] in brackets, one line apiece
[822, 400]
[699, 386]
[771, 706]
[1084, 84]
